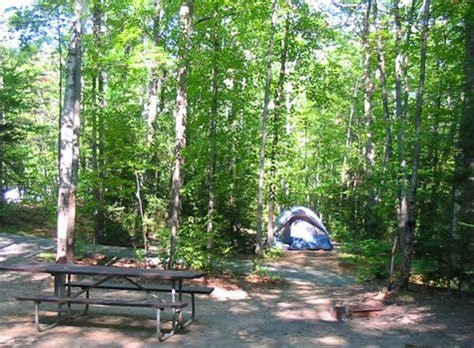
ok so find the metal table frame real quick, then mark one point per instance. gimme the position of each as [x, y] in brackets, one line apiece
[61, 272]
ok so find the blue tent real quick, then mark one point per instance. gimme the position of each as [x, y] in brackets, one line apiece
[301, 229]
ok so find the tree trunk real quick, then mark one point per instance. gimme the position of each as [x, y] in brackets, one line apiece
[266, 101]
[276, 132]
[232, 124]
[211, 212]
[344, 176]
[465, 172]
[97, 113]
[408, 237]
[69, 150]
[181, 113]
[401, 71]
[60, 77]
[2, 122]
[368, 92]
[141, 223]
[383, 82]
[156, 79]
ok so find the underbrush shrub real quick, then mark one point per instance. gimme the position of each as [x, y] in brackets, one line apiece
[372, 258]
[193, 244]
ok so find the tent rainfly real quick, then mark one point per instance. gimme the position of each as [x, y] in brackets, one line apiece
[299, 228]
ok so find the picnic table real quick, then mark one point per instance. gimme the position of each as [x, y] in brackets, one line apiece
[64, 285]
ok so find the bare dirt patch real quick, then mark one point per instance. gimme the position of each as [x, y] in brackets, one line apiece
[245, 311]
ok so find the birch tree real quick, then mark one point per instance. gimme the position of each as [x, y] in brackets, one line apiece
[69, 143]
[180, 116]
[276, 131]
[97, 124]
[263, 143]
[465, 170]
[408, 236]
[212, 129]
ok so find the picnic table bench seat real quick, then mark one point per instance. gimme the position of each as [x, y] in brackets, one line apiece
[155, 287]
[192, 290]
[159, 306]
[63, 296]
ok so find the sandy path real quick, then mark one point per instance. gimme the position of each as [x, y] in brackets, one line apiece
[233, 316]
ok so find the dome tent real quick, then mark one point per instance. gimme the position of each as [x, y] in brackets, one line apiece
[301, 229]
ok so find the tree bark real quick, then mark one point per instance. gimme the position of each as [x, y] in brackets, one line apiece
[401, 73]
[266, 101]
[276, 132]
[69, 150]
[157, 77]
[344, 176]
[2, 122]
[368, 91]
[465, 172]
[383, 82]
[141, 224]
[408, 237]
[97, 114]
[181, 113]
[211, 210]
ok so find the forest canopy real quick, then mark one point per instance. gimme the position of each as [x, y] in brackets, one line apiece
[184, 127]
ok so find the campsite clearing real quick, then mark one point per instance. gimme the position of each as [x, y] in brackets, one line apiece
[295, 312]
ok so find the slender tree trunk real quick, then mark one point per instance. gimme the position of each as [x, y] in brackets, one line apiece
[465, 171]
[408, 237]
[368, 91]
[69, 150]
[405, 60]
[344, 176]
[369, 150]
[157, 77]
[276, 132]
[453, 231]
[2, 123]
[181, 113]
[211, 211]
[97, 113]
[401, 74]
[138, 196]
[383, 82]
[266, 101]
[233, 123]
[101, 158]
[60, 78]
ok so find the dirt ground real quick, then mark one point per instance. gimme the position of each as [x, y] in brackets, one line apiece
[296, 312]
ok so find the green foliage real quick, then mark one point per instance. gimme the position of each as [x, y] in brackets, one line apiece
[317, 144]
[272, 254]
[193, 242]
[261, 269]
[140, 255]
[47, 256]
[371, 258]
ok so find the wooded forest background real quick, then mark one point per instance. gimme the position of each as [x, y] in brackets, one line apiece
[189, 125]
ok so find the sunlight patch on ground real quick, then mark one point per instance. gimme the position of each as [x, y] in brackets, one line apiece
[264, 297]
[334, 341]
[222, 294]
[318, 301]
[296, 314]
[242, 308]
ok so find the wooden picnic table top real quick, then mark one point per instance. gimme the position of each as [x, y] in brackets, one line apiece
[57, 268]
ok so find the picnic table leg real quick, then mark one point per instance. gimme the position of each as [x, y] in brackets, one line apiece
[193, 310]
[69, 313]
[180, 298]
[59, 289]
[174, 325]
[173, 291]
[37, 323]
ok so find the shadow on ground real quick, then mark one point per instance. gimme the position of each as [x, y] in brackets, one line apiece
[298, 315]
